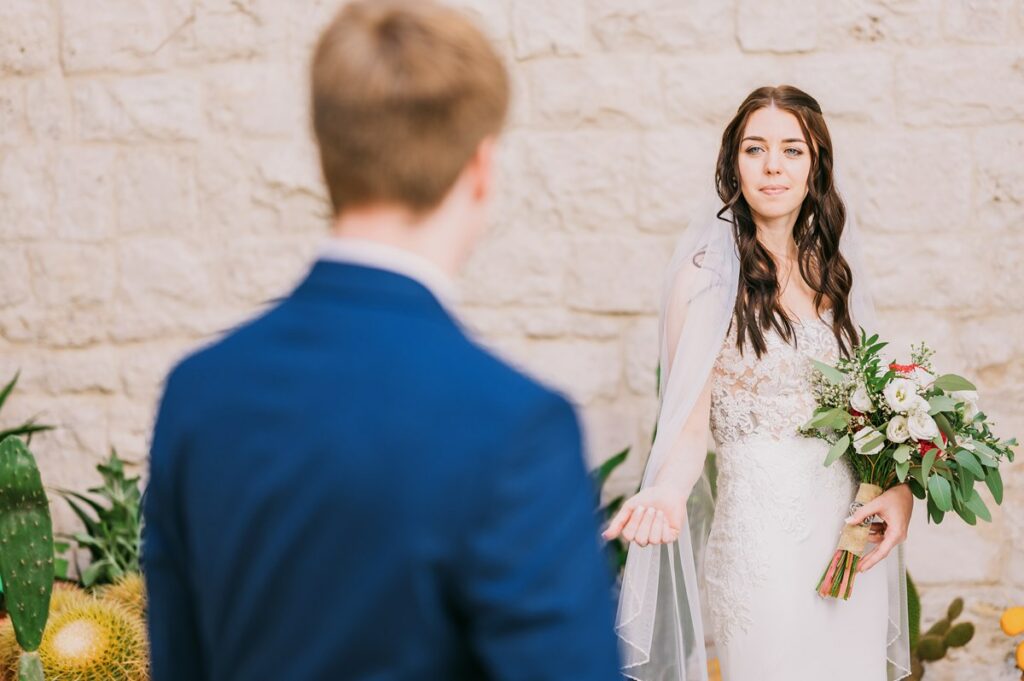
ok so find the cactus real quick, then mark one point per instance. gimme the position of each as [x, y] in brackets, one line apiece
[933, 644]
[95, 641]
[66, 595]
[931, 648]
[129, 591]
[26, 549]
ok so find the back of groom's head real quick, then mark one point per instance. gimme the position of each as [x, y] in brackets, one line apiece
[404, 92]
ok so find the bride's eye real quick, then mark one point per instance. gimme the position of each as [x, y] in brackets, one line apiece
[753, 150]
[795, 152]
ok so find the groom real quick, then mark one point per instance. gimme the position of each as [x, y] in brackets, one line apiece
[348, 487]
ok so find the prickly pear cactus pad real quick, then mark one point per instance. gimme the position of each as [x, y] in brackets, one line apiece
[26, 542]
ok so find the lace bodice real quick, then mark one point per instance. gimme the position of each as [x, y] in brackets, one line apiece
[771, 395]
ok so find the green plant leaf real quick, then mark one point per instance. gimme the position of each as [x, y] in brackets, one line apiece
[902, 468]
[835, 419]
[975, 503]
[951, 382]
[969, 462]
[940, 403]
[967, 515]
[902, 453]
[601, 474]
[833, 375]
[939, 490]
[837, 450]
[927, 463]
[994, 482]
[6, 392]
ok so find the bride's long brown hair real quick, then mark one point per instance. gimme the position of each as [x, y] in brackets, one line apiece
[818, 229]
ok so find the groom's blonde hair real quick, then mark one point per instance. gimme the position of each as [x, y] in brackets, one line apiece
[403, 93]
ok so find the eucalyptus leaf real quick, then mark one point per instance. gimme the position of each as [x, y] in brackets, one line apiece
[927, 463]
[834, 376]
[975, 503]
[994, 482]
[902, 468]
[951, 382]
[902, 453]
[837, 450]
[968, 461]
[939, 490]
[940, 403]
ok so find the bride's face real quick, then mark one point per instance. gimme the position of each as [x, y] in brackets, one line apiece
[774, 163]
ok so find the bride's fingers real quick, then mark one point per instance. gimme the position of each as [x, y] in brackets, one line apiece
[877, 533]
[618, 522]
[629, 531]
[664, 531]
[643, 533]
[656, 526]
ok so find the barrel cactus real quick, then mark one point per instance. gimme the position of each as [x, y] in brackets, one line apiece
[95, 641]
[26, 550]
[129, 591]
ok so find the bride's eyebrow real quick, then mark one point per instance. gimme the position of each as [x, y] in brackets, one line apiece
[785, 141]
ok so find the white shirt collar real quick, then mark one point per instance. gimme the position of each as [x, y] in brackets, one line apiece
[355, 251]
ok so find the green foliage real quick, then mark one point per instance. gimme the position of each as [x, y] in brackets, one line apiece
[30, 668]
[943, 471]
[26, 542]
[940, 637]
[616, 547]
[113, 523]
[913, 612]
[26, 429]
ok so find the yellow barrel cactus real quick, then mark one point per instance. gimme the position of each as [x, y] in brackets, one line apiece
[95, 641]
[129, 591]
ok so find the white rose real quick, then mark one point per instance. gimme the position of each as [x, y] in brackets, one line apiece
[901, 394]
[860, 400]
[897, 429]
[864, 436]
[970, 400]
[921, 426]
[922, 377]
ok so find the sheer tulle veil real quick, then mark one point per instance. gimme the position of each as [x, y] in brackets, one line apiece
[663, 631]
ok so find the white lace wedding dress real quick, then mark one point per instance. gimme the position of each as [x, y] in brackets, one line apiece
[778, 517]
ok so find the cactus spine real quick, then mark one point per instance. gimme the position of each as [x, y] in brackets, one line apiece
[26, 550]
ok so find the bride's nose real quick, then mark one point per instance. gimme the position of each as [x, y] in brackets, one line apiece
[773, 163]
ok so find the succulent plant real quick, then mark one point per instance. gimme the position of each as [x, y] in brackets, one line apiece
[129, 591]
[934, 643]
[26, 550]
[95, 641]
[113, 523]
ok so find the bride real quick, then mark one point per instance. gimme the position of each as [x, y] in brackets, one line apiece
[764, 281]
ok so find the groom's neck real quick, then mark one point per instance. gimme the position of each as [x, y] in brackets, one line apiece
[442, 236]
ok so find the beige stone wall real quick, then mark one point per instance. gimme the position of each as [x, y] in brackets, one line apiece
[157, 184]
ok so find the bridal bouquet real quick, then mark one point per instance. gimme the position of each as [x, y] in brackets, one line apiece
[901, 423]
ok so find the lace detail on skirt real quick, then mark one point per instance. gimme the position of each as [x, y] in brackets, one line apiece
[772, 485]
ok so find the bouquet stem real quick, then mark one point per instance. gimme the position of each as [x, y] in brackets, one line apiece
[837, 581]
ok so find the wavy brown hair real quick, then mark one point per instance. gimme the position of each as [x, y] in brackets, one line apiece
[818, 229]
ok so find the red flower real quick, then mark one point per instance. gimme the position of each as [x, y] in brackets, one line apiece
[924, 446]
[903, 368]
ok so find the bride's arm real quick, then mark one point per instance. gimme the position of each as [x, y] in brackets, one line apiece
[655, 515]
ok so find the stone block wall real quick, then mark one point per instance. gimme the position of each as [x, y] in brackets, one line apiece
[158, 185]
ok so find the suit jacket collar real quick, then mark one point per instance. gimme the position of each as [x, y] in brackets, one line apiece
[347, 282]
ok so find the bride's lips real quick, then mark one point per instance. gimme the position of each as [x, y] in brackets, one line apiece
[773, 189]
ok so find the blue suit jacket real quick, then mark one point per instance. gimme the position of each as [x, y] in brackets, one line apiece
[350, 488]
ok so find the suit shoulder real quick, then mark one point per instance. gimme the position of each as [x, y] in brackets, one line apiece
[496, 382]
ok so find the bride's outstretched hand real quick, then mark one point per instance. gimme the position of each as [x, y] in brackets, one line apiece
[653, 516]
